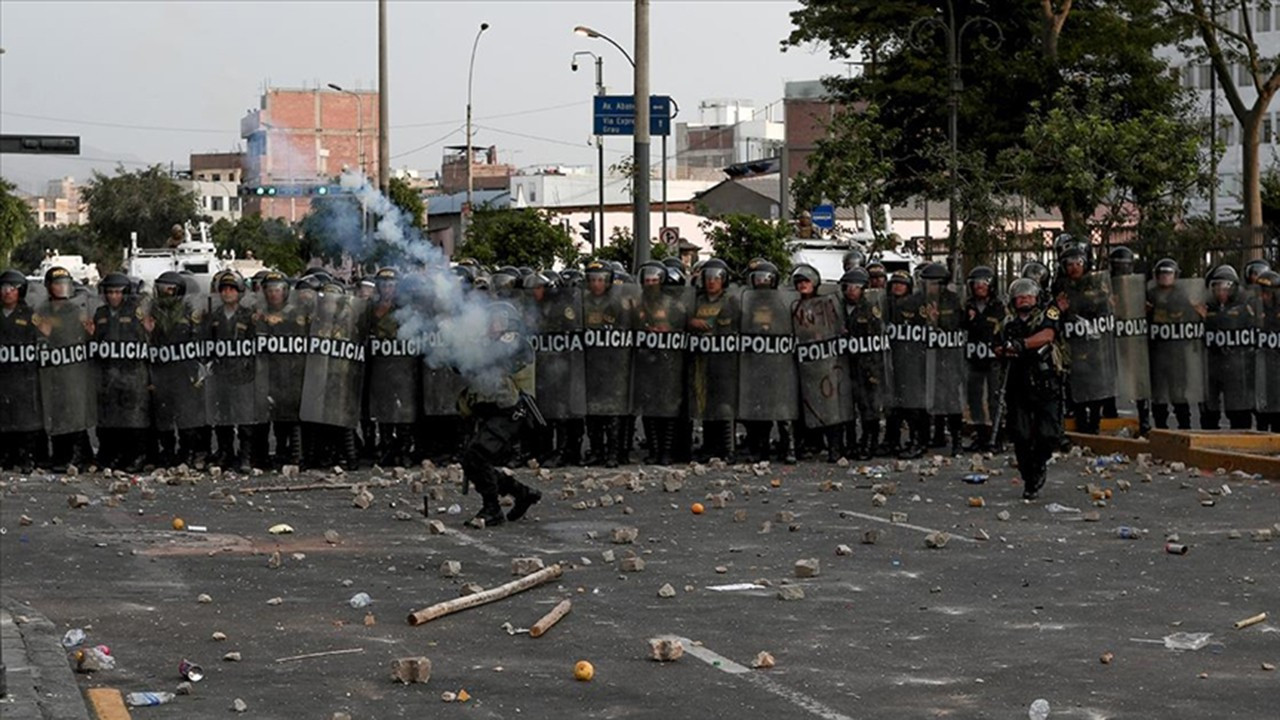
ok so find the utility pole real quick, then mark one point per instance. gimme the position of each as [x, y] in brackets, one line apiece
[640, 153]
[471, 67]
[384, 135]
[1213, 131]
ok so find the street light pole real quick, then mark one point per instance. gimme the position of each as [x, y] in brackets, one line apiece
[384, 134]
[599, 144]
[359, 123]
[640, 153]
[466, 214]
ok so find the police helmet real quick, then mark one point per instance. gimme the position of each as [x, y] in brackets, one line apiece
[598, 269]
[505, 278]
[115, 281]
[762, 274]
[675, 276]
[1166, 265]
[1223, 274]
[856, 276]
[981, 275]
[228, 279]
[617, 266]
[55, 274]
[273, 278]
[172, 279]
[902, 277]
[504, 317]
[525, 271]
[853, 258]
[571, 277]
[1024, 287]
[1254, 268]
[673, 262]
[534, 280]
[1036, 271]
[17, 280]
[934, 272]
[652, 271]
[805, 272]
[386, 274]
[712, 267]
[875, 269]
[1266, 278]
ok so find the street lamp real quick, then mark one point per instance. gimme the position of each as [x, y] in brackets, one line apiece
[585, 31]
[359, 123]
[953, 34]
[470, 72]
[599, 139]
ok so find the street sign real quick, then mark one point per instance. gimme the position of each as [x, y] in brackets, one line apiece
[669, 236]
[40, 144]
[616, 115]
[824, 216]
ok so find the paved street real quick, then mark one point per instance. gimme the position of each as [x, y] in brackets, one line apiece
[974, 629]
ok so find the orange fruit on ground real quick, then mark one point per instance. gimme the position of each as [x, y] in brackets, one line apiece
[179, 524]
[697, 508]
[583, 671]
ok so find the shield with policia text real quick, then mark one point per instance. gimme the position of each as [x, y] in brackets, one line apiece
[713, 356]
[20, 373]
[945, 371]
[823, 369]
[282, 352]
[178, 370]
[121, 356]
[1133, 380]
[1089, 326]
[908, 352]
[67, 391]
[1176, 350]
[608, 341]
[769, 378]
[336, 353]
[394, 368]
[555, 319]
[658, 363]
[235, 391]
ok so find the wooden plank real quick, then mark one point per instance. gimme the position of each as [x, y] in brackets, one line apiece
[1108, 444]
[108, 704]
[1107, 424]
[1246, 441]
[1174, 446]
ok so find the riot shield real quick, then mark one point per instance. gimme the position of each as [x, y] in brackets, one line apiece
[394, 369]
[1133, 381]
[908, 351]
[235, 392]
[945, 372]
[282, 356]
[660, 317]
[121, 354]
[20, 372]
[1089, 327]
[768, 377]
[867, 346]
[825, 398]
[713, 356]
[1176, 349]
[333, 382]
[1231, 344]
[178, 369]
[66, 371]
[1268, 375]
[555, 319]
[608, 338]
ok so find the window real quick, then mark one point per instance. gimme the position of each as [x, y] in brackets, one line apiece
[1263, 23]
[217, 177]
[1265, 138]
[1206, 76]
[1244, 78]
[216, 202]
[233, 204]
[50, 217]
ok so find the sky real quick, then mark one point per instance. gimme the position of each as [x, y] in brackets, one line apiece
[154, 80]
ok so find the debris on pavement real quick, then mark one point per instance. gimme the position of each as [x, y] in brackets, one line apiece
[544, 623]
[665, 649]
[1251, 620]
[410, 670]
[763, 661]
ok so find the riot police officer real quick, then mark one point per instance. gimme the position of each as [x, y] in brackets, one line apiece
[394, 375]
[1169, 306]
[1121, 261]
[66, 390]
[658, 312]
[1230, 332]
[609, 367]
[864, 324]
[714, 376]
[942, 311]
[1079, 297]
[1033, 396]
[20, 414]
[983, 314]
[853, 258]
[1039, 273]
[232, 387]
[908, 354]
[763, 275]
[1268, 286]
[879, 278]
[177, 334]
[285, 322]
[495, 402]
[120, 341]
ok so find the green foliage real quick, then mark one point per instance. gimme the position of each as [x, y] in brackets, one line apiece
[67, 240]
[621, 248]
[271, 241]
[517, 236]
[409, 201]
[737, 238]
[146, 201]
[1271, 198]
[850, 165]
[15, 221]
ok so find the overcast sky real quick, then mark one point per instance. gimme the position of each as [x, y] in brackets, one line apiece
[152, 81]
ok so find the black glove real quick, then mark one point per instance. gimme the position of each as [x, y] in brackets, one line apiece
[1015, 347]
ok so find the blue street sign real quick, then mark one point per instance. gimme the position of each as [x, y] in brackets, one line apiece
[824, 216]
[616, 115]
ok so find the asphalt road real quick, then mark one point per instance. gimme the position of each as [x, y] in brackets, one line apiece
[975, 629]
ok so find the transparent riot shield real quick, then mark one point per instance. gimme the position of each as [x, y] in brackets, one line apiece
[825, 398]
[555, 321]
[1089, 327]
[282, 355]
[1133, 380]
[20, 343]
[178, 363]
[336, 354]
[768, 376]
[67, 391]
[908, 351]
[121, 356]
[1231, 344]
[713, 355]
[945, 372]
[608, 340]
[234, 392]
[394, 368]
[867, 348]
[1268, 374]
[1175, 326]
[658, 364]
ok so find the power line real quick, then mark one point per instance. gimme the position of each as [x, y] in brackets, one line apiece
[437, 141]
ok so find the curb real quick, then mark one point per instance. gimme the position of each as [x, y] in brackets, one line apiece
[39, 681]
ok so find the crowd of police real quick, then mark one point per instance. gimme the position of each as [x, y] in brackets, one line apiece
[278, 370]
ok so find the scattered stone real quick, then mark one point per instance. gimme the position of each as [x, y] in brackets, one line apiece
[981, 534]
[24, 521]
[410, 670]
[672, 483]
[447, 696]
[332, 537]
[526, 566]
[233, 656]
[844, 550]
[936, 540]
[666, 591]
[219, 636]
[204, 599]
[879, 500]
[289, 471]
[1268, 666]
[766, 527]
[1234, 535]
[275, 601]
[239, 705]
[807, 568]
[450, 568]
[786, 516]
[275, 561]
[298, 557]
[77, 501]
[870, 537]
[665, 649]
[1106, 658]
[1003, 516]
[721, 569]
[363, 499]
[897, 517]
[184, 688]
[739, 516]
[470, 589]
[625, 535]
[1263, 535]
[763, 661]
[632, 564]
[790, 592]
[370, 620]
[402, 515]
[607, 556]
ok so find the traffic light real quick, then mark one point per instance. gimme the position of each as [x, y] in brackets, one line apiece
[40, 144]
[588, 230]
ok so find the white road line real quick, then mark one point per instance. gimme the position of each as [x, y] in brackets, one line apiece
[886, 521]
[465, 539]
[759, 679]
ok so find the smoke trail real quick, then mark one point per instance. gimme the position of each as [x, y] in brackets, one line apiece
[450, 322]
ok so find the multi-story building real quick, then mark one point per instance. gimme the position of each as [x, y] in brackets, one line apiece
[215, 181]
[486, 172]
[60, 204]
[728, 132]
[300, 138]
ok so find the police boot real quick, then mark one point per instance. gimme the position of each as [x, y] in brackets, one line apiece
[82, 454]
[572, 452]
[490, 513]
[955, 425]
[918, 427]
[61, 455]
[245, 455]
[611, 441]
[289, 444]
[787, 442]
[834, 446]
[652, 439]
[135, 453]
[1144, 418]
[892, 435]
[870, 437]
[666, 439]
[525, 498]
[627, 442]
[349, 453]
[262, 445]
[981, 439]
[596, 432]
[168, 454]
[939, 432]
[225, 436]
[1182, 413]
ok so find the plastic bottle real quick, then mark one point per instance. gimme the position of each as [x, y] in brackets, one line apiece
[1039, 710]
[73, 638]
[360, 600]
[142, 699]
[1124, 532]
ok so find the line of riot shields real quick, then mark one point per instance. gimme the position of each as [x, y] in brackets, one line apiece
[310, 377]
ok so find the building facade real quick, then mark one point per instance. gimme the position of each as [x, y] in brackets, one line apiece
[728, 132]
[59, 205]
[215, 181]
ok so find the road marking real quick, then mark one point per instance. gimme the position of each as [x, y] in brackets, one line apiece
[474, 542]
[108, 704]
[759, 679]
[886, 521]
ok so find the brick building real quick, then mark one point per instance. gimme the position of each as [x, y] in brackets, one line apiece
[486, 172]
[303, 138]
[60, 204]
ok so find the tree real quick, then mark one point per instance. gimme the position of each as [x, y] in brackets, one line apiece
[333, 229]
[15, 221]
[409, 201]
[146, 201]
[1232, 48]
[621, 248]
[66, 240]
[738, 238]
[519, 237]
[850, 165]
[272, 241]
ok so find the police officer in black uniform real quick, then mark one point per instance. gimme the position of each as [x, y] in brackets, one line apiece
[715, 313]
[1033, 394]
[864, 324]
[20, 413]
[233, 320]
[983, 314]
[1230, 331]
[123, 400]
